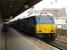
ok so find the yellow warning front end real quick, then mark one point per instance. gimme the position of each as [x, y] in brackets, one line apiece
[45, 28]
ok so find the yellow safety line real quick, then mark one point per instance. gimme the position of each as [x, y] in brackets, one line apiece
[45, 44]
[32, 43]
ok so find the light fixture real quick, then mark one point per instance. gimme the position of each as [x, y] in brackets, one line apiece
[26, 6]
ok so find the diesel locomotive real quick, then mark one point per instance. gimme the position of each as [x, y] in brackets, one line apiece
[42, 27]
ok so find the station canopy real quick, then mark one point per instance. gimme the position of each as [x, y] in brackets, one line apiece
[15, 7]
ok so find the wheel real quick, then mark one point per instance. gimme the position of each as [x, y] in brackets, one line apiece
[52, 37]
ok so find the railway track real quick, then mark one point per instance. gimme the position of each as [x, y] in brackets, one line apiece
[58, 44]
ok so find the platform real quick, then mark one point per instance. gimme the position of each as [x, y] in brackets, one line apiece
[18, 41]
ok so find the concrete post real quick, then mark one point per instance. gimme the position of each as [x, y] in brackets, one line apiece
[1, 24]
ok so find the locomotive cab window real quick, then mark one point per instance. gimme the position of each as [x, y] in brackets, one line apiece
[45, 19]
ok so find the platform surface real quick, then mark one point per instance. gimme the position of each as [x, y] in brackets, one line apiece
[18, 41]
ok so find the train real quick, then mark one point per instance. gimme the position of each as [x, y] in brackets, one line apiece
[41, 26]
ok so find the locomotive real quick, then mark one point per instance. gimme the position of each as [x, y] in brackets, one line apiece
[42, 27]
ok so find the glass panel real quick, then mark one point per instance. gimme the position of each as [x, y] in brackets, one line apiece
[46, 19]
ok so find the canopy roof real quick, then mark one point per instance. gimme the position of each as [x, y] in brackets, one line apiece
[15, 7]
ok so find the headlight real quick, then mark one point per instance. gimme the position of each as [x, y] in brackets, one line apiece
[59, 26]
[39, 30]
[52, 30]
